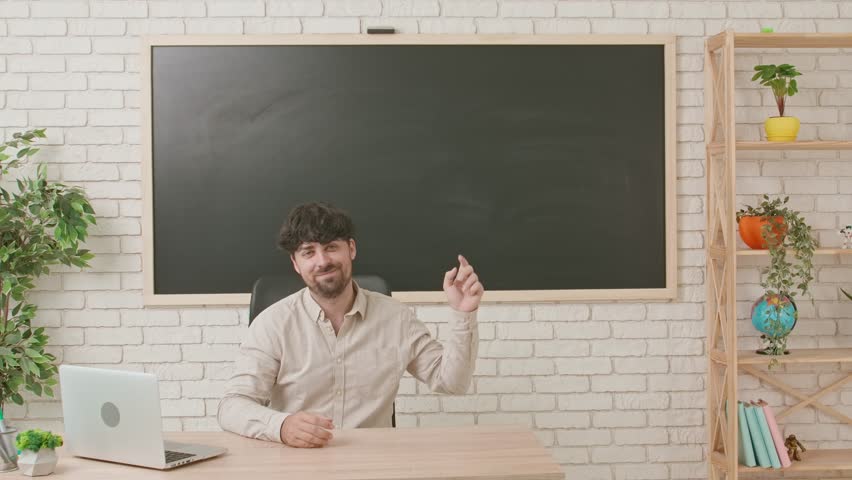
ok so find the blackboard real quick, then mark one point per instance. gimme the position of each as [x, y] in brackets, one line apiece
[544, 164]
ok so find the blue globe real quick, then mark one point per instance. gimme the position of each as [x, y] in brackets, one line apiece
[765, 313]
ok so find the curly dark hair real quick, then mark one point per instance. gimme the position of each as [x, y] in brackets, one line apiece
[314, 222]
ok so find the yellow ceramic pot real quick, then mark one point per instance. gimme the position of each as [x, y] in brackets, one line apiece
[781, 129]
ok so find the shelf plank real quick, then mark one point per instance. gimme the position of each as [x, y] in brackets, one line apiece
[818, 251]
[812, 461]
[797, 145]
[793, 40]
[798, 355]
[719, 147]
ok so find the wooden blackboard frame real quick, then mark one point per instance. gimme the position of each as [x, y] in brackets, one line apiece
[669, 292]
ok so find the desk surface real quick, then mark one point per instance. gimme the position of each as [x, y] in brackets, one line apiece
[474, 452]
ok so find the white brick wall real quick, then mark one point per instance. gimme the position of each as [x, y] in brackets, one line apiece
[615, 390]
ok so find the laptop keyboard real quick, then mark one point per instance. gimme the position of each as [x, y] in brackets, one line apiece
[175, 456]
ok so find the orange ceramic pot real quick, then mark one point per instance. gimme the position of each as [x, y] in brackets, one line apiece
[751, 231]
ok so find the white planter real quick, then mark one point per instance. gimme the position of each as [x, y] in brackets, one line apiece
[39, 463]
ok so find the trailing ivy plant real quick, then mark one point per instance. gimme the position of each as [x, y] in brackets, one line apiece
[42, 224]
[783, 278]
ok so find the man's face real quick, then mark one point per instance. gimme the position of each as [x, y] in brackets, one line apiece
[326, 268]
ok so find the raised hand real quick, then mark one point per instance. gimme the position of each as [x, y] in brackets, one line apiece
[462, 286]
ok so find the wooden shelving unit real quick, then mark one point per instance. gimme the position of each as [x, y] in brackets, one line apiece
[725, 361]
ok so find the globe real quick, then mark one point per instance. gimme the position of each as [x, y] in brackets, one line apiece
[765, 313]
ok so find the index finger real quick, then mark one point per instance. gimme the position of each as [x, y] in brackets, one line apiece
[463, 261]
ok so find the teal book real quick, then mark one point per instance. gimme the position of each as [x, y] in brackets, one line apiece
[767, 437]
[756, 437]
[746, 449]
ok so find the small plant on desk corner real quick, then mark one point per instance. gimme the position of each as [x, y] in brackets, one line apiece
[36, 439]
[784, 229]
[37, 449]
[40, 225]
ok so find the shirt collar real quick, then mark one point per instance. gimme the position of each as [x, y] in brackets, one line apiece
[316, 313]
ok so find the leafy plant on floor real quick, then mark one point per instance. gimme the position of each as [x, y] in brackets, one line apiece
[42, 224]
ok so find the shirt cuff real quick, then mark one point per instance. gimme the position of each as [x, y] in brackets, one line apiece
[275, 423]
[464, 320]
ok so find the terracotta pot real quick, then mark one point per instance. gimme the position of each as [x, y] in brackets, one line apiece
[751, 231]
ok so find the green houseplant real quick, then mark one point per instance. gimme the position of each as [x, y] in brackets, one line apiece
[783, 230]
[37, 452]
[781, 79]
[41, 224]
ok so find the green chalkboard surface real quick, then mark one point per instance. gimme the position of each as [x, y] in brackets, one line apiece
[543, 164]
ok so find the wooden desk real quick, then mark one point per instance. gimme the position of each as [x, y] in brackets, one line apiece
[457, 453]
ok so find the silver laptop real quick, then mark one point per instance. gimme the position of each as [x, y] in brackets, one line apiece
[114, 415]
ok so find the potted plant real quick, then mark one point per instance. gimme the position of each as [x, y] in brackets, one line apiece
[37, 454]
[782, 229]
[40, 225]
[781, 78]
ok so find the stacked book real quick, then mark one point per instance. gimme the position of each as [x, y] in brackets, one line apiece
[761, 443]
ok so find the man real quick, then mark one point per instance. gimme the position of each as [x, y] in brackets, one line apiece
[332, 354]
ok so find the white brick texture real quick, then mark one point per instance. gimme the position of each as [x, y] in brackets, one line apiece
[295, 8]
[232, 8]
[615, 390]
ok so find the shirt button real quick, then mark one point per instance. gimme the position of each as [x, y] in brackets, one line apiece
[338, 393]
[338, 360]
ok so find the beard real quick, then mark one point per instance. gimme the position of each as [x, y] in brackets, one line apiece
[331, 286]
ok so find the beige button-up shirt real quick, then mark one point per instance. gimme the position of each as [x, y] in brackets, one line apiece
[292, 361]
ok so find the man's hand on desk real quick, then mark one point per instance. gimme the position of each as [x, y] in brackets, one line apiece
[306, 430]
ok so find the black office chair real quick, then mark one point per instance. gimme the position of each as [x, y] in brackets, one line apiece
[269, 289]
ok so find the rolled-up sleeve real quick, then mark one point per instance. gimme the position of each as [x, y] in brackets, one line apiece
[446, 367]
[244, 409]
